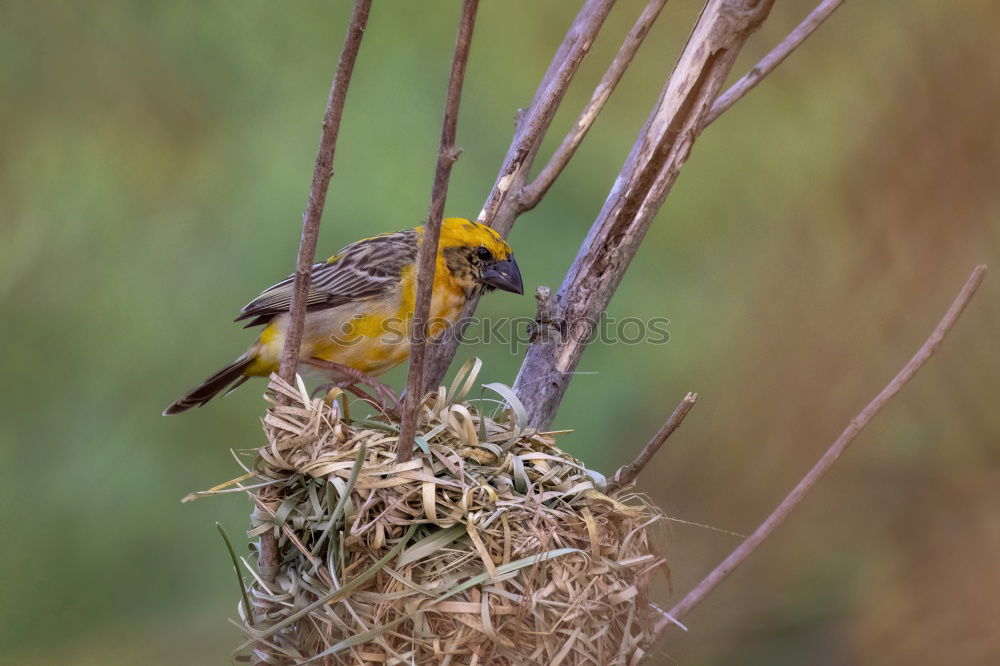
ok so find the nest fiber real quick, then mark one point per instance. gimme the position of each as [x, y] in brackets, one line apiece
[491, 546]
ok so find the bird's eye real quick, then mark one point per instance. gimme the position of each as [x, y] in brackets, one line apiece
[483, 253]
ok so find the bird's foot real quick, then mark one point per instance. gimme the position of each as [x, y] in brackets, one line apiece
[385, 399]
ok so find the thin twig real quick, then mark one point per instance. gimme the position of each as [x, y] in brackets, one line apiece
[532, 193]
[427, 255]
[317, 193]
[854, 428]
[268, 557]
[626, 474]
[777, 55]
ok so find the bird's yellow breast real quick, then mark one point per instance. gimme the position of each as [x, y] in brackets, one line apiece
[370, 335]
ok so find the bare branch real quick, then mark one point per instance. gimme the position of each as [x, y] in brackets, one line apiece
[853, 429]
[268, 557]
[769, 62]
[649, 172]
[626, 474]
[427, 255]
[500, 210]
[537, 189]
[535, 122]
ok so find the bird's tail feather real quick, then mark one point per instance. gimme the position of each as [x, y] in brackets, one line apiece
[208, 389]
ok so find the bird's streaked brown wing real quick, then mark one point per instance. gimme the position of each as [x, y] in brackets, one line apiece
[362, 270]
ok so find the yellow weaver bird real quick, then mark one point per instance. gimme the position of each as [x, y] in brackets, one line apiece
[360, 304]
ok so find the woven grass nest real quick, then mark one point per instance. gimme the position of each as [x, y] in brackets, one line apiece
[491, 546]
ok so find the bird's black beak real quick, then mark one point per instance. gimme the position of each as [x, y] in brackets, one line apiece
[504, 275]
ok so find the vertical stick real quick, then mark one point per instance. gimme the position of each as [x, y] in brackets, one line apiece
[322, 173]
[427, 255]
[268, 557]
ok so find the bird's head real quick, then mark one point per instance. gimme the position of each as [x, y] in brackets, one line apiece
[478, 257]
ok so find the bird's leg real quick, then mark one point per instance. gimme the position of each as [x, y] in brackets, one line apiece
[350, 386]
[385, 399]
[368, 399]
[323, 389]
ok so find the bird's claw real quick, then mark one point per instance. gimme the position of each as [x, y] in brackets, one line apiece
[385, 399]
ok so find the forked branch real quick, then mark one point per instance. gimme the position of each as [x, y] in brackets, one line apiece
[322, 173]
[268, 557]
[427, 255]
[533, 124]
[511, 196]
[853, 429]
[774, 58]
[651, 169]
[537, 189]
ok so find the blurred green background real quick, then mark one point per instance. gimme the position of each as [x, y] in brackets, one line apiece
[154, 164]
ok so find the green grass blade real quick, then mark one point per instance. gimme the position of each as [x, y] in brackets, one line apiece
[377, 425]
[338, 510]
[358, 639]
[505, 569]
[430, 544]
[236, 568]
